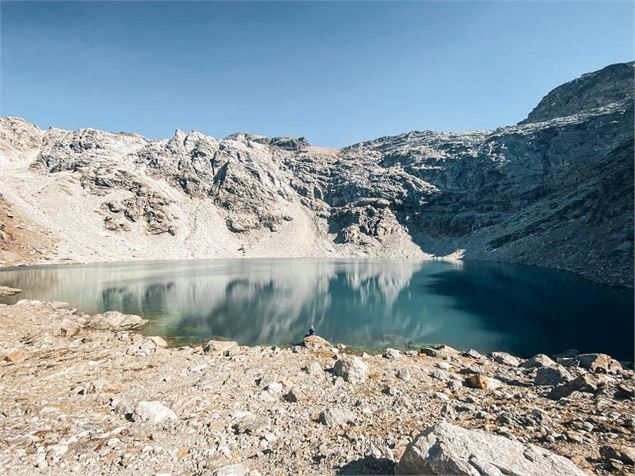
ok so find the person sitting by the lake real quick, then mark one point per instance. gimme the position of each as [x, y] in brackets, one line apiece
[311, 331]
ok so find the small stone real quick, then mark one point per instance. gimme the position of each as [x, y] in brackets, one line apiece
[14, 356]
[539, 414]
[438, 351]
[472, 354]
[392, 391]
[153, 412]
[443, 366]
[482, 382]
[274, 388]
[295, 395]
[624, 391]
[252, 424]
[392, 354]
[142, 349]
[182, 453]
[336, 417]
[573, 436]
[440, 375]
[442, 396]
[313, 368]
[230, 470]
[158, 341]
[352, 369]
[404, 374]
[221, 347]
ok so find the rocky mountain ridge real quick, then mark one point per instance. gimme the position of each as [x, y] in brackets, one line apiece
[555, 190]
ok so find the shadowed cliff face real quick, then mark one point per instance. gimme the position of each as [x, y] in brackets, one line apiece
[555, 190]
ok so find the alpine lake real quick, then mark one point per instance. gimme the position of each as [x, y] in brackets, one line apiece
[367, 304]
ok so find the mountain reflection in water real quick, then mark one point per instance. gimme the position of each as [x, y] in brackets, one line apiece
[367, 303]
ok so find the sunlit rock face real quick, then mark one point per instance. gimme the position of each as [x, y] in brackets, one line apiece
[555, 190]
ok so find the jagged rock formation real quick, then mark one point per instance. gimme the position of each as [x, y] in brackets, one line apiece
[555, 190]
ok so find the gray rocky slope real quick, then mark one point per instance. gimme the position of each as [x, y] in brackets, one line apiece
[555, 190]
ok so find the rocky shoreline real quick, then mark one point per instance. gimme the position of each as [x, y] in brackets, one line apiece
[90, 394]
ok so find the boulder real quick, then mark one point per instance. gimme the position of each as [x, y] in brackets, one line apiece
[450, 449]
[505, 359]
[316, 343]
[539, 360]
[115, 321]
[550, 376]
[7, 291]
[153, 412]
[351, 368]
[583, 383]
[599, 363]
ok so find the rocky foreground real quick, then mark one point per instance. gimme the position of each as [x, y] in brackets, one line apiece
[91, 395]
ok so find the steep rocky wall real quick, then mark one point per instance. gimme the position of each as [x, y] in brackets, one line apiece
[555, 190]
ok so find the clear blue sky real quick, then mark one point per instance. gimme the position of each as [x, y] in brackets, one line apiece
[337, 73]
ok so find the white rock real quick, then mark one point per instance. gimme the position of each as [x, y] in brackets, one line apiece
[115, 321]
[351, 368]
[336, 417]
[153, 412]
[230, 470]
[158, 341]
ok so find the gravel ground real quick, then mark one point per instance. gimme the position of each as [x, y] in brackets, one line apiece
[92, 395]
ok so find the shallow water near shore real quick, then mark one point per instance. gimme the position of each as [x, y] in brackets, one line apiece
[364, 303]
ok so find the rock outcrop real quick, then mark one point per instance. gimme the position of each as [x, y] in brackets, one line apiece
[555, 190]
[450, 449]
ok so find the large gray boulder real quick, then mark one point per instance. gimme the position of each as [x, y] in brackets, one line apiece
[450, 449]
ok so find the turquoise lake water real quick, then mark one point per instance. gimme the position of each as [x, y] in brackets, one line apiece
[364, 303]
